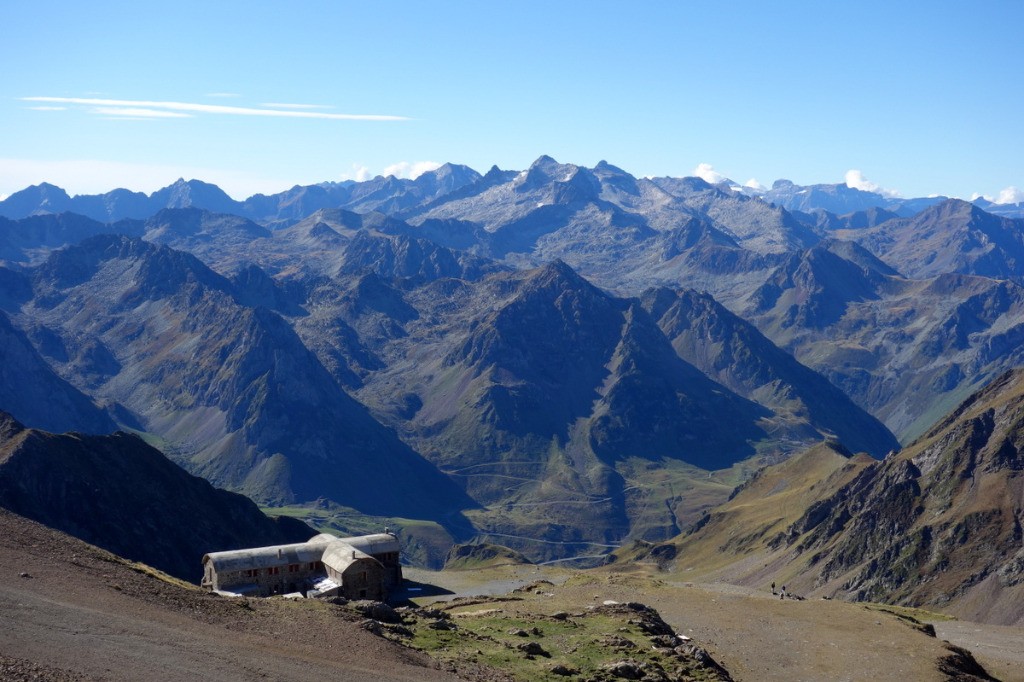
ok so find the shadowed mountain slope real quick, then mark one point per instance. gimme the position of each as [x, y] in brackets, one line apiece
[30, 239]
[34, 394]
[548, 398]
[118, 493]
[232, 390]
[735, 354]
[905, 350]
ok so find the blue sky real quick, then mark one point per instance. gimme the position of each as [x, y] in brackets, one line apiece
[916, 97]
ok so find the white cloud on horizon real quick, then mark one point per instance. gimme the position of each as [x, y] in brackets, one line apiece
[856, 180]
[358, 173]
[752, 183]
[1010, 195]
[707, 173]
[410, 170]
[219, 109]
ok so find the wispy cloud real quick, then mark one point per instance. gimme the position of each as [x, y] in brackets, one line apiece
[45, 108]
[856, 180]
[410, 169]
[281, 105]
[217, 109]
[138, 112]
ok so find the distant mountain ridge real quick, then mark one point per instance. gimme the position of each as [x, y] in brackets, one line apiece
[289, 206]
[394, 195]
[838, 199]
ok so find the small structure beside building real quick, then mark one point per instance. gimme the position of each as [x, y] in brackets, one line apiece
[362, 567]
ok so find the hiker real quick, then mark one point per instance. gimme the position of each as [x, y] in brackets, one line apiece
[773, 587]
[782, 595]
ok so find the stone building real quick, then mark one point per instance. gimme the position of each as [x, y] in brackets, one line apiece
[363, 567]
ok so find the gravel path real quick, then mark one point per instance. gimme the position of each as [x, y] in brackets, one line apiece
[1000, 649]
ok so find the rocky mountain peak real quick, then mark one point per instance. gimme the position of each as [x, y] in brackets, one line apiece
[9, 427]
[558, 274]
[41, 198]
[183, 194]
[950, 209]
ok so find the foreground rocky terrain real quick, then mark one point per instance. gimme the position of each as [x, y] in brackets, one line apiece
[69, 611]
[73, 612]
[751, 633]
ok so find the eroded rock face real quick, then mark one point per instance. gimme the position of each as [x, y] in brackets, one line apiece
[933, 523]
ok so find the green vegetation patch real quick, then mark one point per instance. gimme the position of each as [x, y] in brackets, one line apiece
[481, 555]
[528, 638]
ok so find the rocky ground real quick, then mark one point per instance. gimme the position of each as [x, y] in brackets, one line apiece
[69, 611]
[759, 637]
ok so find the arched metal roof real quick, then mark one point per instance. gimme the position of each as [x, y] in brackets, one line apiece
[340, 555]
[314, 549]
[264, 557]
[378, 543]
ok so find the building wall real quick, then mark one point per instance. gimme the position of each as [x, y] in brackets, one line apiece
[278, 579]
[392, 567]
[362, 579]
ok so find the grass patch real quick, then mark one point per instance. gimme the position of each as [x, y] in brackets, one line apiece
[539, 635]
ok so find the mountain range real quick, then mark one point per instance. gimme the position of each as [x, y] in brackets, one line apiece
[557, 359]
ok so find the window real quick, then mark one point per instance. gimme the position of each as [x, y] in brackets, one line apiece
[293, 568]
[251, 572]
[274, 570]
